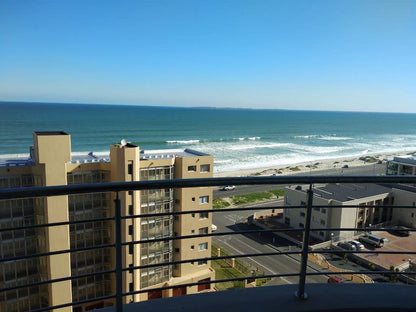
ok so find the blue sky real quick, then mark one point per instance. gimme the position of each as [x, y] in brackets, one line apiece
[323, 55]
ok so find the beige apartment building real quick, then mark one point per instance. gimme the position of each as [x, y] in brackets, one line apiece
[51, 162]
[367, 200]
[402, 165]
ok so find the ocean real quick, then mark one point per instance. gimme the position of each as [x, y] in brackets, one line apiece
[238, 138]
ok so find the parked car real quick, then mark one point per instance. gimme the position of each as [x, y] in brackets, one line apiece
[228, 188]
[345, 166]
[335, 279]
[372, 240]
[346, 246]
[357, 244]
[213, 227]
[399, 230]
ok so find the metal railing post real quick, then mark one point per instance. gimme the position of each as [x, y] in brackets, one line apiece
[119, 264]
[300, 293]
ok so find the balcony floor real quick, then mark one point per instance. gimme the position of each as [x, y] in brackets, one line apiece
[322, 297]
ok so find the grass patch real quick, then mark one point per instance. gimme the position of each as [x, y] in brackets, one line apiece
[220, 203]
[254, 197]
[223, 270]
[279, 192]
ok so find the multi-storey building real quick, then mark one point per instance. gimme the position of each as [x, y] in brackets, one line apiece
[402, 165]
[52, 163]
[367, 200]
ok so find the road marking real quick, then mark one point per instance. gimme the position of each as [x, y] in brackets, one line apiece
[259, 264]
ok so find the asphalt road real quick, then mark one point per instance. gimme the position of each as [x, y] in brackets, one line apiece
[374, 169]
[227, 221]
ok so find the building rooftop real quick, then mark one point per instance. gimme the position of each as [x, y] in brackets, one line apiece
[347, 192]
[406, 159]
[13, 160]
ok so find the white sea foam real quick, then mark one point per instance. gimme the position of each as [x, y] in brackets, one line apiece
[248, 139]
[183, 141]
[242, 147]
[306, 136]
[332, 137]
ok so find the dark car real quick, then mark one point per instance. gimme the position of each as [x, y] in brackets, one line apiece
[399, 231]
[346, 246]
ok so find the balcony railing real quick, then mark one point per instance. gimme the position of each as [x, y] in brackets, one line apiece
[118, 244]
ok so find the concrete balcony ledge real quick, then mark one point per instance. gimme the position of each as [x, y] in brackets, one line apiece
[322, 297]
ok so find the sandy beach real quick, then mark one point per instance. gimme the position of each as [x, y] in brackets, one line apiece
[307, 167]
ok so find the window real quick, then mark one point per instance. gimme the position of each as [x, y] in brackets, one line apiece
[287, 220]
[203, 199]
[176, 250]
[192, 246]
[302, 214]
[203, 215]
[130, 192]
[130, 229]
[316, 209]
[323, 210]
[202, 262]
[130, 168]
[191, 168]
[301, 225]
[130, 249]
[193, 198]
[322, 222]
[203, 246]
[302, 203]
[413, 215]
[176, 218]
[131, 210]
[192, 231]
[193, 215]
[204, 168]
[131, 287]
[322, 234]
[203, 230]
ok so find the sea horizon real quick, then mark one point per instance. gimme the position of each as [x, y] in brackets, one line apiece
[238, 138]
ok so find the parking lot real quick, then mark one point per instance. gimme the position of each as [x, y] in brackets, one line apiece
[393, 243]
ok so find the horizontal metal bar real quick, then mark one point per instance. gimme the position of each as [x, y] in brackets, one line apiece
[71, 304]
[40, 191]
[34, 226]
[62, 279]
[367, 272]
[274, 253]
[58, 252]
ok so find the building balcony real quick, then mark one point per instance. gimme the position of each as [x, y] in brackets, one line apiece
[297, 296]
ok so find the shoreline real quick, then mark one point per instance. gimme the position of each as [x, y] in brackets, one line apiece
[311, 166]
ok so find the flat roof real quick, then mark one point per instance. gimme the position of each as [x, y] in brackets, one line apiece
[348, 192]
[51, 133]
[406, 159]
[13, 160]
